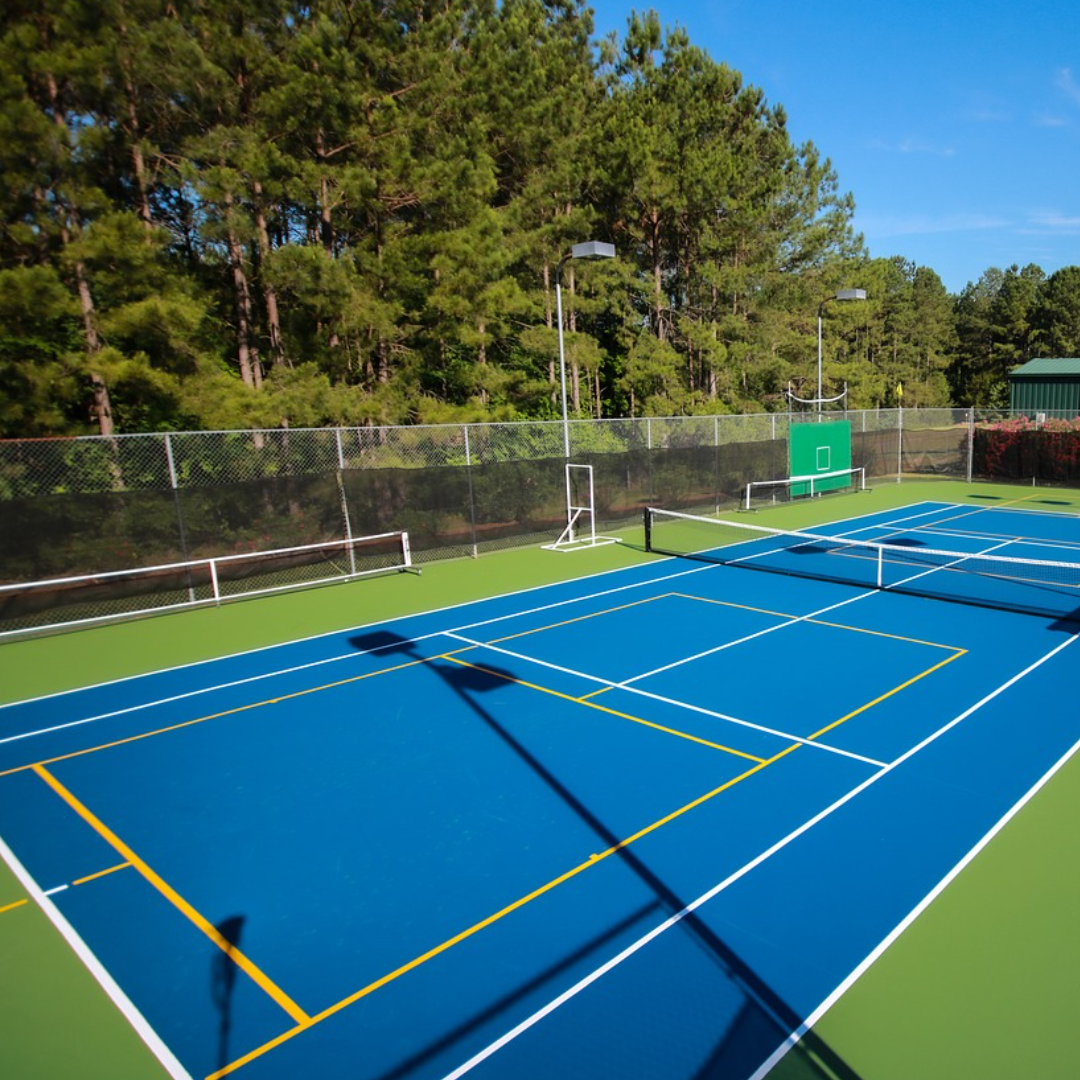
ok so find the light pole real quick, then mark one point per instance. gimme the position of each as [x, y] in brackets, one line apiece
[592, 249]
[843, 294]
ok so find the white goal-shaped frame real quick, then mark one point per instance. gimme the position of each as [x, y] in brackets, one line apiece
[580, 532]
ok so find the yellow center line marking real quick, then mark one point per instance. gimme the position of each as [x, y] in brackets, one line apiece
[732, 604]
[578, 618]
[593, 860]
[250, 969]
[889, 693]
[605, 709]
[101, 873]
[820, 622]
[12, 907]
[594, 693]
[227, 712]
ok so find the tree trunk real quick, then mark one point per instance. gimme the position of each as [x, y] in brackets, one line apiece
[247, 354]
[481, 357]
[138, 165]
[326, 225]
[273, 319]
[101, 406]
[658, 278]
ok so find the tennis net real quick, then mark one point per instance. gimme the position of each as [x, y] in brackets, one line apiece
[902, 564]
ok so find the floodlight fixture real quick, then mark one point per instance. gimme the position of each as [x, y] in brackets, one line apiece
[841, 294]
[591, 249]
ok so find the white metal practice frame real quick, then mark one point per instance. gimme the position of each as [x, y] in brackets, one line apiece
[857, 479]
[571, 538]
[67, 588]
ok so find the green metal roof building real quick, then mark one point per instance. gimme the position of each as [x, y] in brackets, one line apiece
[1046, 385]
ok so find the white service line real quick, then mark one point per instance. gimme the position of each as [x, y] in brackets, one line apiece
[690, 908]
[786, 736]
[789, 621]
[135, 1018]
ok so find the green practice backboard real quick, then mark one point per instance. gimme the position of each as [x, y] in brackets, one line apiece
[819, 448]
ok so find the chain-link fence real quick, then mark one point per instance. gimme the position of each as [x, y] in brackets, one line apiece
[95, 504]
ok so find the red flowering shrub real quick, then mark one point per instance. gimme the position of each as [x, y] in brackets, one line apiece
[1021, 448]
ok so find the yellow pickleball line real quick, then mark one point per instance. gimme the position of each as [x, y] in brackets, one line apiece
[255, 973]
[889, 693]
[101, 873]
[819, 622]
[603, 708]
[578, 618]
[593, 860]
[225, 712]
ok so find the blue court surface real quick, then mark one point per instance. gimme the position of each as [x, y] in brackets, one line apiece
[644, 824]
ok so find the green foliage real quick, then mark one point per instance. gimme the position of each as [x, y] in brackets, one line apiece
[295, 214]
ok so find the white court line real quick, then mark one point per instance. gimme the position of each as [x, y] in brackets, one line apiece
[135, 1018]
[789, 621]
[355, 654]
[1027, 541]
[416, 615]
[189, 694]
[947, 566]
[690, 908]
[667, 701]
[794, 1037]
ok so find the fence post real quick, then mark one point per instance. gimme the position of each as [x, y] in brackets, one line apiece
[899, 442]
[971, 442]
[472, 496]
[175, 485]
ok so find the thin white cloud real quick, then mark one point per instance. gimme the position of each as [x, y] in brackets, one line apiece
[1047, 121]
[1065, 82]
[1053, 221]
[913, 146]
[990, 116]
[927, 224]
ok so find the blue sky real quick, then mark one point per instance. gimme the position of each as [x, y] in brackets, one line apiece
[955, 124]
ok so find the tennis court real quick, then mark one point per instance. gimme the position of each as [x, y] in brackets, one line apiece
[646, 823]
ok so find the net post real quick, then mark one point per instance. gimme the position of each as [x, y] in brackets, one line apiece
[214, 581]
[880, 566]
[406, 551]
[648, 529]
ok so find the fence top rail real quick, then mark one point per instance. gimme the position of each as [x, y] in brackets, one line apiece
[281, 432]
[191, 564]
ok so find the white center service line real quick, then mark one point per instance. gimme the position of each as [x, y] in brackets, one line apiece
[786, 736]
[705, 897]
[790, 621]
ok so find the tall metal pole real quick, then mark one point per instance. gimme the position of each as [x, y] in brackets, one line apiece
[591, 249]
[820, 306]
[562, 358]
